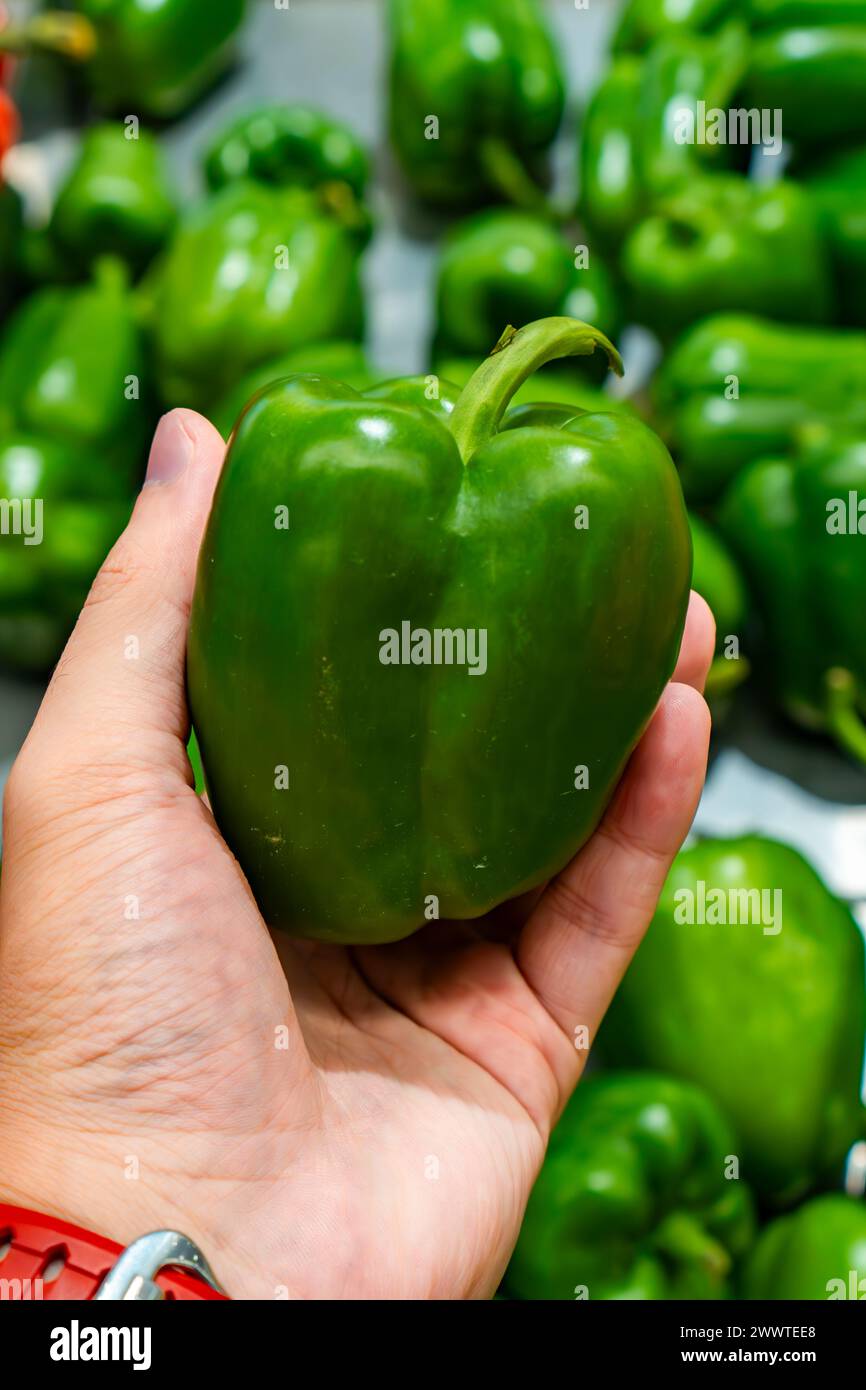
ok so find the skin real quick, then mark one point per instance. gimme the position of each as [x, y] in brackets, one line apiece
[386, 1147]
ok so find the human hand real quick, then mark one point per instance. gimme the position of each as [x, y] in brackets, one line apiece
[324, 1121]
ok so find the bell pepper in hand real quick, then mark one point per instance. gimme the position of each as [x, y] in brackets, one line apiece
[736, 388]
[798, 525]
[633, 1201]
[767, 1015]
[291, 146]
[251, 274]
[723, 243]
[817, 1252]
[475, 97]
[74, 425]
[115, 200]
[428, 775]
[503, 266]
[716, 578]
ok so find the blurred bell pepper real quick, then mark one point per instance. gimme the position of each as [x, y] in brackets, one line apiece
[808, 59]
[817, 1252]
[341, 361]
[75, 420]
[632, 1201]
[288, 146]
[735, 388]
[251, 274]
[838, 187]
[798, 525]
[750, 983]
[475, 98]
[115, 201]
[641, 22]
[630, 153]
[502, 266]
[717, 579]
[723, 243]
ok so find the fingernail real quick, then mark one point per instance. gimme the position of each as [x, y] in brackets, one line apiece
[171, 450]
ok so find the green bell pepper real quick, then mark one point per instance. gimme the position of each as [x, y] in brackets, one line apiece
[503, 266]
[838, 187]
[630, 155]
[817, 1252]
[811, 67]
[115, 201]
[799, 528]
[735, 388]
[633, 1201]
[342, 361]
[251, 274]
[717, 579]
[641, 22]
[75, 420]
[725, 244]
[750, 983]
[156, 57]
[475, 98]
[411, 548]
[288, 146]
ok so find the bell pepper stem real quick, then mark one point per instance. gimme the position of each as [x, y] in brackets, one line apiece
[844, 719]
[683, 1239]
[725, 675]
[508, 175]
[53, 31]
[518, 354]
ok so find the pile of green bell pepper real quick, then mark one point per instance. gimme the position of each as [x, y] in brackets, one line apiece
[463, 789]
[252, 273]
[736, 388]
[635, 1198]
[475, 98]
[817, 1252]
[75, 420]
[798, 525]
[503, 266]
[750, 983]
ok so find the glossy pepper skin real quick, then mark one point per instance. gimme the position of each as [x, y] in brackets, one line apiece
[414, 514]
[726, 244]
[290, 146]
[504, 266]
[632, 1202]
[799, 529]
[488, 71]
[74, 438]
[816, 1252]
[630, 155]
[736, 388]
[115, 201]
[251, 274]
[156, 57]
[838, 187]
[716, 577]
[769, 1022]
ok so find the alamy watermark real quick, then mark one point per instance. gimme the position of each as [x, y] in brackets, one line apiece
[703, 125]
[438, 646]
[22, 516]
[714, 907]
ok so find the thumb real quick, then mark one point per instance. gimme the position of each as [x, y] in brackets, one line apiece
[118, 689]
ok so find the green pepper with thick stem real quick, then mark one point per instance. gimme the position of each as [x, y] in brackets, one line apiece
[717, 579]
[725, 244]
[504, 266]
[798, 525]
[115, 200]
[750, 983]
[816, 1252]
[251, 274]
[475, 98]
[634, 1200]
[74, 423]
[408, 699]
[736, 388]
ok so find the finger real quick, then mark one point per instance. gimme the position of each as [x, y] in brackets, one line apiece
[119, 685]
[698, 644]
[577, 944]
